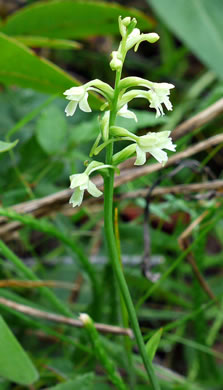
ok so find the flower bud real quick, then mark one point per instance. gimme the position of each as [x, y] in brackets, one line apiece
[151, 38]
[124, 154]
[124, 24]
[126, 21]
[122, 132]
[135, 38]
[83, 317]
[105, 125]
[116, 63]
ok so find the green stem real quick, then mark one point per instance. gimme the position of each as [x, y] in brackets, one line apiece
[112, 248]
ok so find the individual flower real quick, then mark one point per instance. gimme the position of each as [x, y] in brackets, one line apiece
[154, 143]
[125, 113]
[77, 96]
[135, 38]
[158, 95]
[81, 182]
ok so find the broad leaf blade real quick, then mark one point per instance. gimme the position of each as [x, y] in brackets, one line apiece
[15, 364]
[66, 19]
[81, 382]
[153, 343]
[21, 66]
[6, 146]
[52, 43]
[52, 130]
[198, 23]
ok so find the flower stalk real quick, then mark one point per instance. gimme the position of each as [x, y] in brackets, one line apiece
[101, 353]
[116, 104]
[112, 247]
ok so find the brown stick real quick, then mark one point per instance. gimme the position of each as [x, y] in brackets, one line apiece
[214, 185]
[198, 120]
[37, 283]
[103, 328]
[39, 207]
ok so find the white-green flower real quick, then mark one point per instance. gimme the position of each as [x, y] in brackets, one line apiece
[154, 143]
[135, 38]
[158, 95]
[125, 113]
[77, 96]
[81, 182]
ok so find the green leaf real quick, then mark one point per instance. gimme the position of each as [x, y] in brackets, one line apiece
[33, 41]
[5, 146]
[67, 19]
[15, 364]
[81, 382]
[153, 343]
[21, 66]
[51, 130]
[198, 23]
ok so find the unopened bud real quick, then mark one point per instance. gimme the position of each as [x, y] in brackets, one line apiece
[121, 132]
[124, 154]
[131, 26]
[116, 63]
[151, 38]
[126, 21]
[83, 317]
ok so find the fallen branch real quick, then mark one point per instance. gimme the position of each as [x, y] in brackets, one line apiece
[103, 328]
[36, 283]
[52, 203]
[198, 120]
[214, 185]
[7, 228]
[135, 173]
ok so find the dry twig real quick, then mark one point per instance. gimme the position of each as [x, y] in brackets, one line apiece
[36, 283]
[103, 328]
[44, 206]
[198, 120]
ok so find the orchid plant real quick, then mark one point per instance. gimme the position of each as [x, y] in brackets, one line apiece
[116, 104]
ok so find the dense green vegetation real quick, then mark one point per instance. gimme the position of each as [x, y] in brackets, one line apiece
[168, 220]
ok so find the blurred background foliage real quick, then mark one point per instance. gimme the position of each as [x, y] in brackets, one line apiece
[45, 48]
